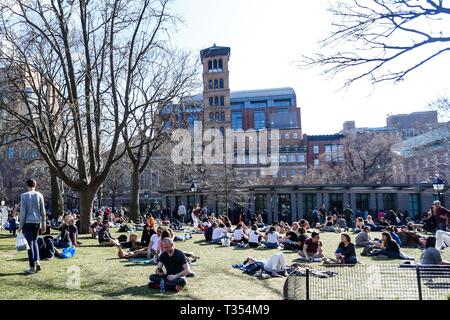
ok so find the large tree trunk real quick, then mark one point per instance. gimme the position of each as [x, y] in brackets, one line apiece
[135, 188]
[57, 202]
[86, 202]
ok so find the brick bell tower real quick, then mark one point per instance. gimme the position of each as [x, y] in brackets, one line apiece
[216, 87]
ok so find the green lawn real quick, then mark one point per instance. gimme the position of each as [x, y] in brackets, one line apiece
[104, 276]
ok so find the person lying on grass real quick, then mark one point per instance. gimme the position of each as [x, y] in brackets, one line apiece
[312, 248]
[275, 266]
[176, 265]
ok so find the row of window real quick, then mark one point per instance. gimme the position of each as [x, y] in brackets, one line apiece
[215, 65]
[26, 155]
[216, 84]
[217, 101]
[218, 116]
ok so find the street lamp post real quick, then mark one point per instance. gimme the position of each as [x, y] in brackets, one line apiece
[438, 186]
[146, 201]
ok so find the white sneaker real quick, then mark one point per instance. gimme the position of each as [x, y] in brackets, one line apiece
[30, 270]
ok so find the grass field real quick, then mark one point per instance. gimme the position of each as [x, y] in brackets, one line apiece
[104, 276]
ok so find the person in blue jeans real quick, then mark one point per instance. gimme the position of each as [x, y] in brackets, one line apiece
[272, 238]
[389, 247]
[219, 233]
[32, 219]
[345, 253]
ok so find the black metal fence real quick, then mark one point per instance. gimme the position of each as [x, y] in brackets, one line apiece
[369, 282]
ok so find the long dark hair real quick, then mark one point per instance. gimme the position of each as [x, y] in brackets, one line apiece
[347, 236]
[272, 229]
[388, 236]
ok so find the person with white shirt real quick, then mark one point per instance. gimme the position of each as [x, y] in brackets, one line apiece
[219, 233]
[272, 238]
[153, 247]
[254, 237]
[239, 234]
[181, 212]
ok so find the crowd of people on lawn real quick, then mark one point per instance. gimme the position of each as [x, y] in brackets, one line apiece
[159, 234]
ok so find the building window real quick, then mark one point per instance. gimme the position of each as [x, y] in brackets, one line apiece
[316, 162]
[292, 172]
[211, 101]
[296, 136]
[216, 101]
[283, 159]
[10, 152]
[222, 131]
[300, 158]
[291, 158]
[216, 84]
[389, 201]
[415, 205]
[316, 149]
[309, 202]
[221, 84]
[222, 116]
[282, 103]
[260, 120]
[191, 119]
[259, 104]
[220, 64]
[217, 116]
[285, 208]
[210, 84]
[362, 201]
[334, 152]
[210, 65]
[236, 120]
[215, 65]
[287, 136]
[260, 203]
[284, 173]
[222, 101]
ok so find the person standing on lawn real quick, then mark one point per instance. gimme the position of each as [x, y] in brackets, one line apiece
[441, 216]
[32, 219]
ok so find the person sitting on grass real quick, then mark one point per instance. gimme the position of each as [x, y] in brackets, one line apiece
[272, 238]
[409, 238]
[275, 266]
[104, 237]
[219, 233]
[254, 237]
[63, 238]
[240, 234]
[393, 232]
[204, 225]
[359, 225]
[95, 227]
[363, 239]
[259, 221]
[149, 251]
[431, 255]
[176, 265]
[442, 239]
[328, 226]
[312, 249]
[145, 237]
[341, 223]
[389, 248]
[345, 253]
[304, 224]
[290, 240]
[73, 232]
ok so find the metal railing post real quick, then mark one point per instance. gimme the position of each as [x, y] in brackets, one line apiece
[307, 284]
[419, 282]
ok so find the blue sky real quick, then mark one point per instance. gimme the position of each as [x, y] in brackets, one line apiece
[266, 38]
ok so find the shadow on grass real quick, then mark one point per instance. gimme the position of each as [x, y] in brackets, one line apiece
[145, 292]
[2, 275]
